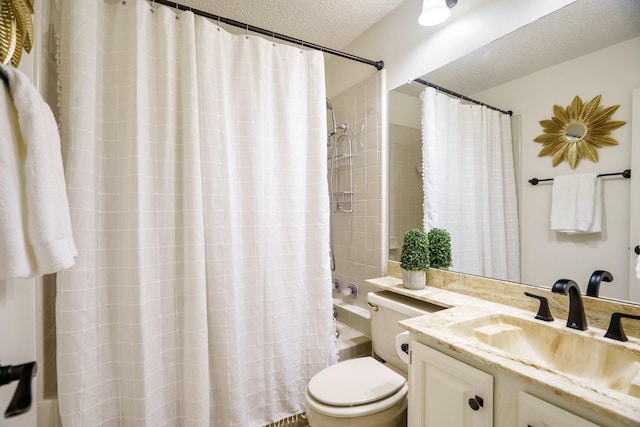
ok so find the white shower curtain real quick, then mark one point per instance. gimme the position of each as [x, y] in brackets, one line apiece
[196, 167]
[469, 184]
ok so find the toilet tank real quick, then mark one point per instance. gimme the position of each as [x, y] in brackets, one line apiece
[387, 309]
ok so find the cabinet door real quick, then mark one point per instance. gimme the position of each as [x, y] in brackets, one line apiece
[446, 392]
[534, 412]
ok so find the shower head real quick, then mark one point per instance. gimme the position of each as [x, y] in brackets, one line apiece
[329, 107]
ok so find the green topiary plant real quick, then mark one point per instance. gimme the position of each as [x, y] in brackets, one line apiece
[415, 251]
[439, 248]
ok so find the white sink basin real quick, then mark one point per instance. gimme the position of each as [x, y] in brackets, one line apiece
[583, 356]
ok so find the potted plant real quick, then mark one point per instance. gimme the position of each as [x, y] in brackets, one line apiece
[439, 248]
[414, 259]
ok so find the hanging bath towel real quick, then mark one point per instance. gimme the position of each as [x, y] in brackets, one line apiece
[35, 226]
[576, 204]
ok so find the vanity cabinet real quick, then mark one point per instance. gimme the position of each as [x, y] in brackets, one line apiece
[534, 412]
[446, 392]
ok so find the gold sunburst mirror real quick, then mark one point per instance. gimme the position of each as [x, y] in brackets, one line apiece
[578, 131]
[16, 30]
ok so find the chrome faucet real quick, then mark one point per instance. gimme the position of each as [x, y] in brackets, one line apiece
[594, 282]
[576, 318]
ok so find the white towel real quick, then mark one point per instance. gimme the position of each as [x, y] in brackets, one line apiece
[35, 226]
[576, 204]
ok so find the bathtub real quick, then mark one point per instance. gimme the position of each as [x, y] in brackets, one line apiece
[352, 343]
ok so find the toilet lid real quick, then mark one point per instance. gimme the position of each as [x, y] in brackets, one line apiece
[355, 382]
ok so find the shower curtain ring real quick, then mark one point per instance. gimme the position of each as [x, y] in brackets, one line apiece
[246, 32]
[177, 10]
[273, 38]
[218, 23]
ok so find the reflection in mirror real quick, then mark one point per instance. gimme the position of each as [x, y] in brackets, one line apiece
[405, 178]
[578, 131]
[580, 40]
[469, 152]
[575, 132]
[469, 184]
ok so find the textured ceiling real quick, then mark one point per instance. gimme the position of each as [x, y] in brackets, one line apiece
[575, 30]
[328, 23]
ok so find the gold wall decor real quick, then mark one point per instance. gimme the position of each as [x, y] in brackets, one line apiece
[578, 131]
[16, 30]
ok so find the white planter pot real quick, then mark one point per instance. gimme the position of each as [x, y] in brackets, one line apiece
[414, 279]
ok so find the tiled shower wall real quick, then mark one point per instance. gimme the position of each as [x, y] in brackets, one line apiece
[405, 185]
[358, 236]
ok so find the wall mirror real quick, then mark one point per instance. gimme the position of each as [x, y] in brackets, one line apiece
[569, 34]
[575, 132]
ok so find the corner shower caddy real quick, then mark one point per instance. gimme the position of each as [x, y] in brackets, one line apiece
[340, 164]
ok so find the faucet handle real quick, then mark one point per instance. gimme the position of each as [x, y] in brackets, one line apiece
[544, 313]
[615, 330]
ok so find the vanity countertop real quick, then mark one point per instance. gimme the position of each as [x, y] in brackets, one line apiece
[435, 328]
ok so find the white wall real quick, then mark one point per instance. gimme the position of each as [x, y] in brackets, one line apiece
[634, 231]
[18, 338]
[405, 110]
[614, 73]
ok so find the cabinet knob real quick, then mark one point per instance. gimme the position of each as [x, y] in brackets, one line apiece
[476, 403]
[637, 249]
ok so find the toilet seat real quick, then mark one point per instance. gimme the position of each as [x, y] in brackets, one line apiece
[356, 387]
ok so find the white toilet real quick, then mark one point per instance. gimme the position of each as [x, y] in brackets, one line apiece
[365, 392]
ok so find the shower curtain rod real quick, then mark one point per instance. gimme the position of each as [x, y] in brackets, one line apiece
[457, 95]
[378, 64]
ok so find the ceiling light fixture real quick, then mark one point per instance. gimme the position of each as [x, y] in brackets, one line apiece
[435, 11]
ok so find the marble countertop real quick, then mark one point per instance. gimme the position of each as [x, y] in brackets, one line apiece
[436, 329]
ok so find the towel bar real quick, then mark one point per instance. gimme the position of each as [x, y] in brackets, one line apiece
[625, 173]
